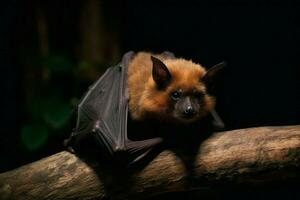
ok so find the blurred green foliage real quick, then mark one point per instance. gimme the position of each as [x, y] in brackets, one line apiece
[62, 51]
[34, 136]
[53, 86]
[45, 109]
[58, 63]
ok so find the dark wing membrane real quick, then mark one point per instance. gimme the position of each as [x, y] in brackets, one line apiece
[102, 119]
[103, 109]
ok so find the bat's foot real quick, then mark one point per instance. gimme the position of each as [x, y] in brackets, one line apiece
[67, 144]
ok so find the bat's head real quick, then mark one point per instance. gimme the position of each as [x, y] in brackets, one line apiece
[179, 90]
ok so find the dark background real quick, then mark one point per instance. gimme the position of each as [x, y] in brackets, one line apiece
[52, 50]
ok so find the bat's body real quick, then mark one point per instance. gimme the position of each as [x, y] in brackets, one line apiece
[154, 84]
[146, 94]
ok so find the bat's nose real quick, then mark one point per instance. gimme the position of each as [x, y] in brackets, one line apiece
[189, 112]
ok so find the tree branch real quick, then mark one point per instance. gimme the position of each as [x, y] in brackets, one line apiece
[247, 156]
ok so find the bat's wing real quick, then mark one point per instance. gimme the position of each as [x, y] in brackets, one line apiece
[210, 80]
[102, 116]
[217, 122]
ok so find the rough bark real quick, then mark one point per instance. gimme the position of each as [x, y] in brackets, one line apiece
[251, 156]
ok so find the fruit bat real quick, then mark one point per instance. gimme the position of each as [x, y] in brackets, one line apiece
[102, 118]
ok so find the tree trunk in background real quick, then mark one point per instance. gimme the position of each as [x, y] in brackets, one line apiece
[98, 43]
[42, 31]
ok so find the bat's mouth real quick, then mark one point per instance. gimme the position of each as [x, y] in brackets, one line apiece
[188, 118]
[181, 118]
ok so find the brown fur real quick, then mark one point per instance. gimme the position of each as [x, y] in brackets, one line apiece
[146, 100]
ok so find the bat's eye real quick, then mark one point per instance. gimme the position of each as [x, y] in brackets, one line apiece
[176, 95]
[199, 95]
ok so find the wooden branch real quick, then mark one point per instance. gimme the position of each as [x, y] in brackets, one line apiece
[246, 156]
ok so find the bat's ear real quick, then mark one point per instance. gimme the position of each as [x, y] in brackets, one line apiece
[212, 75]
[160, 73]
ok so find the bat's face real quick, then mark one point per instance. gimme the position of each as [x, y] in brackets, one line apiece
[189, 105]
[179, 91]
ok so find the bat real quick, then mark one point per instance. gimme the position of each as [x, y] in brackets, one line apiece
[105, 110]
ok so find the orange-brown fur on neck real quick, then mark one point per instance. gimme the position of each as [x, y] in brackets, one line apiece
[146, 100]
